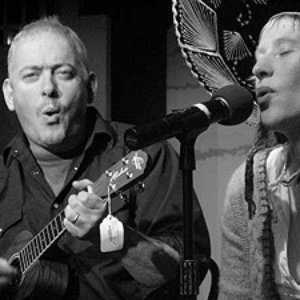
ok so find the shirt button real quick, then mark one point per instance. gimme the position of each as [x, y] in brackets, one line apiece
[1, 232]
[35, 172]
[56, 205]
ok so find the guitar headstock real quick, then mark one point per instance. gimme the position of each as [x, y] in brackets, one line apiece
[129, 168]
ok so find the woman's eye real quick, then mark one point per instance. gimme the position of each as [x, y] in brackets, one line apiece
[284, 52]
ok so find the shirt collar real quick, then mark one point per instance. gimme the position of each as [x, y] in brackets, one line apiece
[98, 126]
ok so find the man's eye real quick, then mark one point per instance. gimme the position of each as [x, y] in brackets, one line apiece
[65, 74]
[30, 76]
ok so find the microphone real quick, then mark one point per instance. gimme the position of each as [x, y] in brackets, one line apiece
[230, 105]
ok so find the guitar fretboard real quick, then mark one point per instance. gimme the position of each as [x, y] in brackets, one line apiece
[41, 242]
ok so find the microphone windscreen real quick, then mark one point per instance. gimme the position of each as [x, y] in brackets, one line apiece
[239, 101]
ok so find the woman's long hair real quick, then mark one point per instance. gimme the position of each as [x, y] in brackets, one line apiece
[263, 139]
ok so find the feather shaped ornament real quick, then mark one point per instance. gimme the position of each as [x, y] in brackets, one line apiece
[197, 32]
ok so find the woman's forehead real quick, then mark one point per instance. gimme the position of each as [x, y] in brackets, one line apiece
[286, 22]
[280, 28]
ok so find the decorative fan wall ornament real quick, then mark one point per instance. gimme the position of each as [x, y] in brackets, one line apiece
[218, 38]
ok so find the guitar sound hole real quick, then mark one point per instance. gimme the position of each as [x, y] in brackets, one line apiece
[15, 262]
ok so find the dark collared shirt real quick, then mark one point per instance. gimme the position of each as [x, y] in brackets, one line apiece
[27, 204]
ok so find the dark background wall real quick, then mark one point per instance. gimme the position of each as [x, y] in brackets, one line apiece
[139, 63]
[138, 57]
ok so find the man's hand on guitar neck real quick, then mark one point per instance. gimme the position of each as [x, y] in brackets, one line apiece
[7, 273]
[84, 210]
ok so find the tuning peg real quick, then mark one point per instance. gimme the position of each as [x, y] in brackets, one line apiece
[124, 198]
[129, 175]
[140, 187]
[125, 160]
[108, 173]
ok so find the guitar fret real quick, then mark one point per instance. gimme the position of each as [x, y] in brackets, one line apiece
[47, 242]
[49, 232]
[43, 240]
[36, 247]
[22, 264]
[25, 258]
[55, 227]
[61, 221]
[33, 250]
[48, 239]
[40, 246]
[30, 254]
[99, 190]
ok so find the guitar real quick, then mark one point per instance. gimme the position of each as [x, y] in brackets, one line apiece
[117, 178]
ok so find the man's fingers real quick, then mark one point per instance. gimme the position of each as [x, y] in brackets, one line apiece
[82, 184]
[7, 273]
[6, 269]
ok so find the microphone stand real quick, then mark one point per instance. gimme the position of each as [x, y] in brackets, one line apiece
[190, 274]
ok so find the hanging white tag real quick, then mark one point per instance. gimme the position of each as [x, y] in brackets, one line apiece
[111, 230]
[111, 234]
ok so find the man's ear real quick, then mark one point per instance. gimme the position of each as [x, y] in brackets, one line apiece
[8, 94]
[92, 86]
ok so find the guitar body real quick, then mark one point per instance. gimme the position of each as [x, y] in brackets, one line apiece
[47, 283]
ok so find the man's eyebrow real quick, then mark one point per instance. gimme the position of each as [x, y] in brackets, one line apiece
[40, 67]
[30, 67]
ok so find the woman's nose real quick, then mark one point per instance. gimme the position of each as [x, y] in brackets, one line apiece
[262, 69]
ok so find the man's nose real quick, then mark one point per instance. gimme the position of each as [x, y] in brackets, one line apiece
[49, 87]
